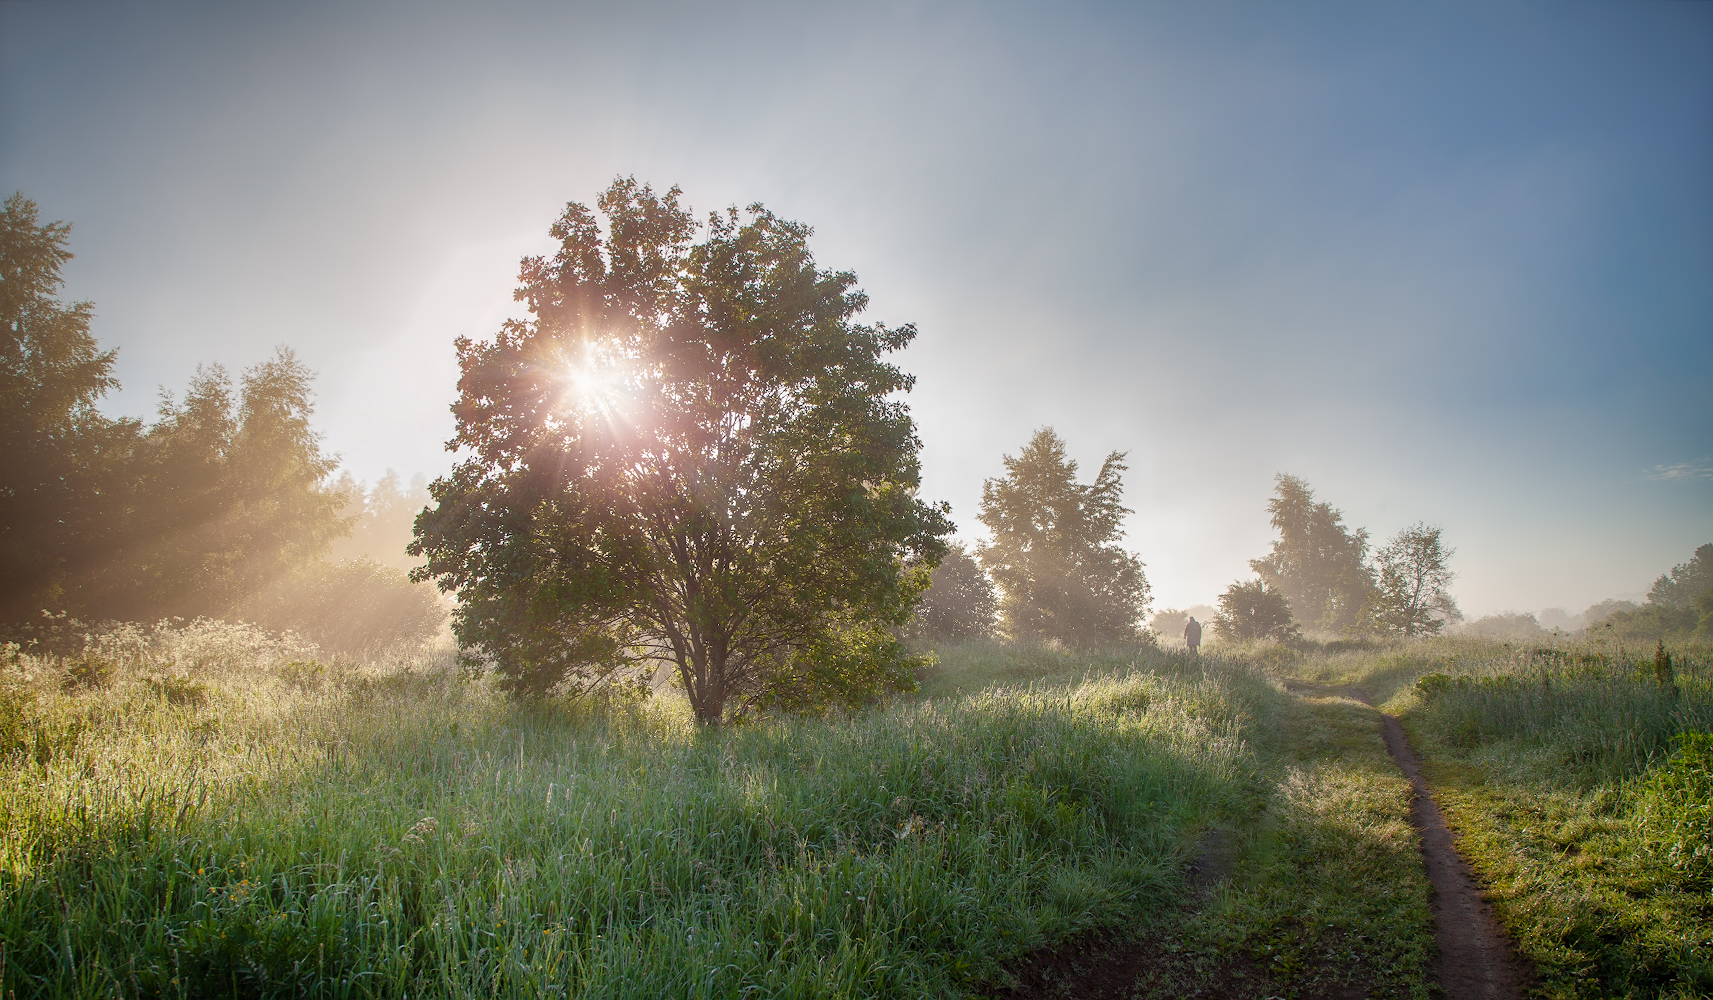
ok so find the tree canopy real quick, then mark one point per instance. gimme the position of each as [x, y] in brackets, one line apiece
[228, 496]
[103, 518]
[54, 445]
[960, 603]
[1054, 551]
[1316, 563]
[1686, 581]
[1412, 572]
[1678, 606]
[1254, 610]
[690, 452]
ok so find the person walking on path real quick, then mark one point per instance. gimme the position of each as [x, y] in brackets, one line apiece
[1192, 634]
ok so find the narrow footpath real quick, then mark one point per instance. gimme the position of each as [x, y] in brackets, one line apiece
[1476, 960]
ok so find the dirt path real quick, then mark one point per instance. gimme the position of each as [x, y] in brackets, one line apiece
[1476, 961]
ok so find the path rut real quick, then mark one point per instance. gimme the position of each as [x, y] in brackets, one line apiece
[1476, 961]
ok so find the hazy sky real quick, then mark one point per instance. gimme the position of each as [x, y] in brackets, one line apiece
[1448, 263]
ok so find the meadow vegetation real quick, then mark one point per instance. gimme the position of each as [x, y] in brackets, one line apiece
[1579, 781]
[214, 811]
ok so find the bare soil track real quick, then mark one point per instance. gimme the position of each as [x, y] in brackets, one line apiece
[1476, 960]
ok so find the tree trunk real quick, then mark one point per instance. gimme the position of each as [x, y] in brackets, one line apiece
[707, 694]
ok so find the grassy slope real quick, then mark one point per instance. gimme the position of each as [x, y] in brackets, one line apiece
[1542, 765]
[270, 828]
[1322, 883]
[377, 833]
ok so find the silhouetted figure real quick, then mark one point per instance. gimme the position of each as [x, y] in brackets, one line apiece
[1192, 634]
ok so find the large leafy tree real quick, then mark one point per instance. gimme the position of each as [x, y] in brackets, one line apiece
[1412, 572]
[1316, 563]
[1055, 552]
[690, 452]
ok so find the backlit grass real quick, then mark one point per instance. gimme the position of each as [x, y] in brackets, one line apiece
[291, 828]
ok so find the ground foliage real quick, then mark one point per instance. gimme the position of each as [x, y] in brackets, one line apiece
[307, 828]
[207, 809]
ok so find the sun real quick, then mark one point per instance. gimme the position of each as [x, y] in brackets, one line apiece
[588, 381]
[595, 382]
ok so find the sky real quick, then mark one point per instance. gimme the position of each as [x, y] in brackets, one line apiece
[1450, 263]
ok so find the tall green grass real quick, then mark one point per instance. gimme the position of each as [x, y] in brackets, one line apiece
[1571, 775]
[1313, 879]
[260, 824]
[1565, 721]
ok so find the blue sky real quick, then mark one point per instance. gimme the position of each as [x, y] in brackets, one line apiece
[1449, 263]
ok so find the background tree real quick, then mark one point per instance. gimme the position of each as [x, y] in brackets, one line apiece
[1316, 562]
[1685, 582]
[959, 605]
[1410, 598]
[689, 452]
[1515, 626]
[1055, 552]
[1254, 610]
[1596, 613]
[225, 496]
[219, 508]
[57, 501]
[385, 515]
[1671, 611]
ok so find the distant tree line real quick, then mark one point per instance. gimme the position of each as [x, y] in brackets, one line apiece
[220, 506]
[1679, 607]
[1054, 570]
[1322, 576]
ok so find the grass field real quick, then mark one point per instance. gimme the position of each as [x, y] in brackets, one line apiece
[215, 813]
[1580, 794]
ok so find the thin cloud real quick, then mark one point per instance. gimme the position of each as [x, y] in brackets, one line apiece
[1683, 471]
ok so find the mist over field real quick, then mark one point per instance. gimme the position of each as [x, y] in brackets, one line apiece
[740, 500]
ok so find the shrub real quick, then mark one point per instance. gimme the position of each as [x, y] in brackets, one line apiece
[1254, 610]
[359, 608]
[1432, 684]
